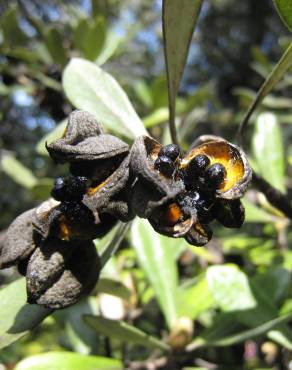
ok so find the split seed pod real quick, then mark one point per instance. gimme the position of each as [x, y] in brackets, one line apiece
[152, 189]
[155, 196]
[102, 158]
[218, 150]
[60, 273]
[69, 222]
[227, 208]
[20, 240]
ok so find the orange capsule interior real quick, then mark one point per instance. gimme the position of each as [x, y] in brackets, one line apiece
[93, 190]
[173, 214]
[66, 229]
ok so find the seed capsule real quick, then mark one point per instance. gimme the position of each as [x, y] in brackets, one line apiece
[171, 151]
[165, 166]
[215, 175]
[238, 171]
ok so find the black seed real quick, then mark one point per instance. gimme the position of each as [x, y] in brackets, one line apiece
[171, 151]
[59, 190]
[192, 175]
[204, 207]
[230, 213]
[215, 175]
[165, 166]
[198, 164]
[76, 187]
[77, 212]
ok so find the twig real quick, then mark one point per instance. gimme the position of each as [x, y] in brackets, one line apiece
[274, 196]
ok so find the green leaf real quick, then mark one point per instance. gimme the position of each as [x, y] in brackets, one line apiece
[90, 88]
[68, 361]
[230, 288]
[274, 77]
[277, 283]
[252, 333]
[156, 257]
[82, 338]
[255, 214]
[111, 43]
[12, 33]
[268, 149]
[80, 32]
[4, 90]
[217, 340]
[22, 53]
[16, 316]
[18, 172]
[284, 8]
[179, 19]
[269, 102]
[264, 254]
[195, 299]
[158, 116]
[55, 134]
[108, 246]
[122, 331]
[159, 92]
[234, 293]
[143, 93]
[46, 81]
[54, 43]
[42, 189]
[223, 325]
[113, 287]
[94, 38]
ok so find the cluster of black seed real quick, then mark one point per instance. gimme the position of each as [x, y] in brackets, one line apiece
[167, 158]
[201, 180]
[70, 191]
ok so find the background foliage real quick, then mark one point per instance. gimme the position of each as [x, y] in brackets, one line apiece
[159, 302]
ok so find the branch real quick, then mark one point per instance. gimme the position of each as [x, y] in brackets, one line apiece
[274, 196]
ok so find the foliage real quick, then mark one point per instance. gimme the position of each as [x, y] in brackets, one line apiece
[159, 300]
